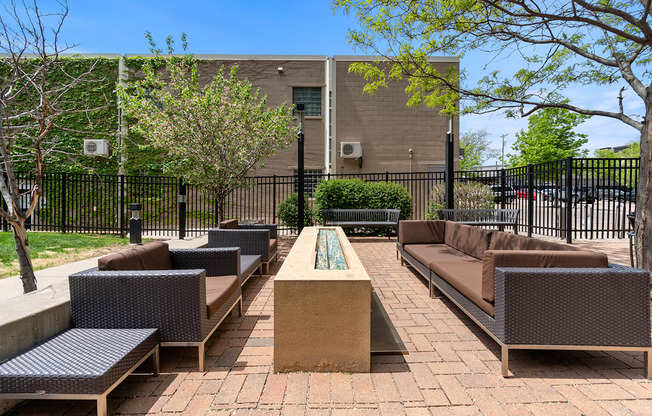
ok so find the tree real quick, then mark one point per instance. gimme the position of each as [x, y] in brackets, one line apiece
[618, 166]
[549, 137]
[550, 46]
[476, 149]
[34, 96]
[217, 134]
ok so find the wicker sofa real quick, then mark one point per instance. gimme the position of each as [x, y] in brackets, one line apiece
[185, 293]
[253, 239]
[532, 294]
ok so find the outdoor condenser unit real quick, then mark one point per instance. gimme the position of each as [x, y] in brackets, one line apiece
[350, 150]
[96, 147]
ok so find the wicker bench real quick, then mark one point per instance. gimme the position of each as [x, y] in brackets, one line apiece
[78, 364]
[354, 218]
[487, 217]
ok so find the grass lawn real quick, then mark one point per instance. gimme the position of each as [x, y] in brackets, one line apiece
[53, 249]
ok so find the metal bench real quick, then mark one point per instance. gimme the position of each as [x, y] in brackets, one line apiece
[355, 218]
[488, 217]
[78, 364]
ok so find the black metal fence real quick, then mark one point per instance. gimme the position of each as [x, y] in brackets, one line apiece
[570, 198]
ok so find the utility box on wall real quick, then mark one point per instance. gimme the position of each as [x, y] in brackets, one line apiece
[97, 148]
[350, 150]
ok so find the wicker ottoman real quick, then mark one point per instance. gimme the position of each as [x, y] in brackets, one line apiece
[78, 364]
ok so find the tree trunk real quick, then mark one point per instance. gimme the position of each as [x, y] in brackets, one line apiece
[24, 260]
[220, 211]
[644, 194]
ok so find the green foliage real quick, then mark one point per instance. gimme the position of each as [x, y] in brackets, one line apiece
[288, 211]
[550, 136]
[358, 194]
[476, 149]
[617, 169]
[214, 135]
[466, 195]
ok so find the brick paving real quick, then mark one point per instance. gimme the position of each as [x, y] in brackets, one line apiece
[452, 368]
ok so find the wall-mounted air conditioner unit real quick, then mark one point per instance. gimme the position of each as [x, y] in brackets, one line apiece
[96, 147]
[350, 150]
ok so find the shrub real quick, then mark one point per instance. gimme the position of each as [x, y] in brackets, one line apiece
[288, 211]
[357, 194]
[466, 195]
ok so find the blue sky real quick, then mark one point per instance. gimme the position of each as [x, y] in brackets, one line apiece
[308, 27]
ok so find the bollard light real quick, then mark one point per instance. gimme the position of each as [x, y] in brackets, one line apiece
[135, 224]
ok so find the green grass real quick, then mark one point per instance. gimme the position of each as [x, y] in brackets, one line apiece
[53, 249]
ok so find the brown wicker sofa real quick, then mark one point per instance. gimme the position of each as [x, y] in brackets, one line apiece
[185, 293]
[532, 294]
[253, 239]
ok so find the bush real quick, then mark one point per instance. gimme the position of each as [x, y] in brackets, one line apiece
[288, 211]
[466, 195]
[357, 194]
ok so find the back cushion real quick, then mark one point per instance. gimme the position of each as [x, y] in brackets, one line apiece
[507, 241]
[421, 232]
[229, 224]
[151, 256]
[467, 239]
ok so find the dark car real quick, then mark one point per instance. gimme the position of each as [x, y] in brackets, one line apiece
[497, 192]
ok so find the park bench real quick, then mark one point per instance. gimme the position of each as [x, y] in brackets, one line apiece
[482, 217]
[356, 218]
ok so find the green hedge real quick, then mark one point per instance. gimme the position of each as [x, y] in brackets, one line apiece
[358, 194]
[288, 211]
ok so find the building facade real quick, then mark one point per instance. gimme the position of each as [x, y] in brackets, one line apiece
[346, 130]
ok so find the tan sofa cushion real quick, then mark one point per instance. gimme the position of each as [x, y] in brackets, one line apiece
[272, 245]
[467, 239]
[534, 258]
[465, 275]
[218, 290]
[421, 232]
[150, 256]
[229, 224]
[426, 253]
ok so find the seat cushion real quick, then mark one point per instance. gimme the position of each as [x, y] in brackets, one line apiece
[248, 265]
[229, 225]
[150, 256]
[465, 275]
[467, 239]
[427, 253]
[421, 232]
[272, 245]
[218, 290]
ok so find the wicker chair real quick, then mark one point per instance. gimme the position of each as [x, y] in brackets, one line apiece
[253, 239]
[175, 296]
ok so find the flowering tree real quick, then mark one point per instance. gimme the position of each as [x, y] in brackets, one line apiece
[217, 134]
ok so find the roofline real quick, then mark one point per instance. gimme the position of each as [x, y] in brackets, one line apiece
[368, 58]
[231, 57]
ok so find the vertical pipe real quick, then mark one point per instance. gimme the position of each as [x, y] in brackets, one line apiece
[301, 202]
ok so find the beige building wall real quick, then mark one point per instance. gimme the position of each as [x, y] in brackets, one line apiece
[263, 72]
[385, 126]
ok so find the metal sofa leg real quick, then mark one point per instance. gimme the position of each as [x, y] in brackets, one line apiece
[101, 406]
[201, 357]
[156, 362]
[240, 307]
[647, 364]
[504, 360]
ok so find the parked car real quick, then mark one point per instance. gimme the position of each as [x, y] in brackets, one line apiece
[524, 193]
[578, 194]
[547, 193]
[497, 192]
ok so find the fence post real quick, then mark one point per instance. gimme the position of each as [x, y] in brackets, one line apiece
[122, 207]
[274, 200]
[181, 199]
[386, 176]
[530, 199]
[64, 197]
[503, 185]
[569, 200]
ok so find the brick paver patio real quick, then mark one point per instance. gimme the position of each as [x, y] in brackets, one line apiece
[452, 368]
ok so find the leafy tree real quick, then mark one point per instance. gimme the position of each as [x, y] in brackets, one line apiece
[477, 149]
[632, 150]
[549, 137]
[618, 169]
[216, 134]
[550, 46]
[35, 100]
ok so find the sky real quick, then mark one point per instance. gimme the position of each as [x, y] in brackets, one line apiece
[290, 27]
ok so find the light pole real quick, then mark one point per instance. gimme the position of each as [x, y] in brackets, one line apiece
[300, 138]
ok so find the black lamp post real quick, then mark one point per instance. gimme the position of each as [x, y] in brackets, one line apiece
[448, 174]
[301, 139]
[135, 224]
